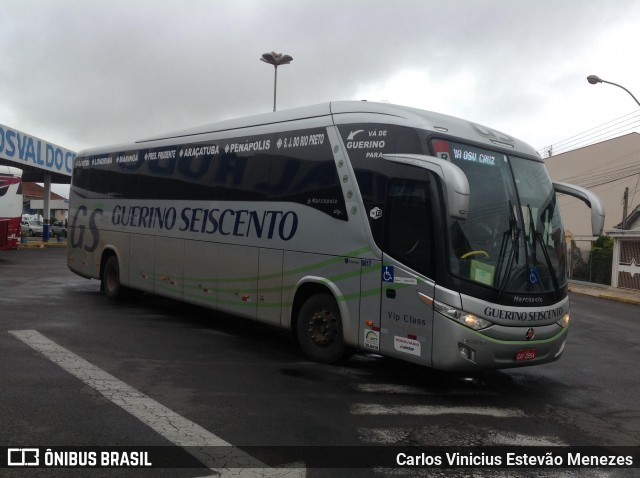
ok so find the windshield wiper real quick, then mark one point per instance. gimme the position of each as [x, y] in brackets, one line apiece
[537, 237]
[514, 232]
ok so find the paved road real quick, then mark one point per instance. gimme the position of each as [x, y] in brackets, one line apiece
[246, 384]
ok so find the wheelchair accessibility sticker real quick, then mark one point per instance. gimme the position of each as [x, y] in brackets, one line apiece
[389, 275]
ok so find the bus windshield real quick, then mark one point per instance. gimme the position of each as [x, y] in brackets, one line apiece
[512, 239]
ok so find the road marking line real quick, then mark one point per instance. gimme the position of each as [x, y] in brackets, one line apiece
[505, 438]
[490, 437]
[175, 428]
[429, 410]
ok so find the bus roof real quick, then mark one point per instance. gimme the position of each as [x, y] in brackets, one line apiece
[10, 170]
[345, 112]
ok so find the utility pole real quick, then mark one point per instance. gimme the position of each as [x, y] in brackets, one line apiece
[625, 206]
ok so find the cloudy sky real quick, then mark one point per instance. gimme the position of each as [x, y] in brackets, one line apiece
[84, 73]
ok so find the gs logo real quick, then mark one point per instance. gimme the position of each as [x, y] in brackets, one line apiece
[79, 230]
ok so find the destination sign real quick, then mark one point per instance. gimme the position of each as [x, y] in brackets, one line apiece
[463, 152]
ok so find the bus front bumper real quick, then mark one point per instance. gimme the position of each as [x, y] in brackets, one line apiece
[459, 348]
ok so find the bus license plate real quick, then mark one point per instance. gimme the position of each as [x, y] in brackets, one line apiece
[526, 354]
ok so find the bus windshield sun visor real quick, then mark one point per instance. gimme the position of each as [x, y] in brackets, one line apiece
[454, 179]
[590, 199]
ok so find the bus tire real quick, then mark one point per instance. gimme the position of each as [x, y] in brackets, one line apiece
[319, 329]
[111, 278]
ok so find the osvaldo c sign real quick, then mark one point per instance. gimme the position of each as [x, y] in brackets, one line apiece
[23, 148]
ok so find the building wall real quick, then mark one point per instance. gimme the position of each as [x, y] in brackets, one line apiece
[604, 160]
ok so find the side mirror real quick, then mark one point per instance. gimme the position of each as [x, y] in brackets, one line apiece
[453, 178]
[590, 199]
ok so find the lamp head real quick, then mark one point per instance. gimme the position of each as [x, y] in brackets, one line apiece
[276, 59]
[593, 79]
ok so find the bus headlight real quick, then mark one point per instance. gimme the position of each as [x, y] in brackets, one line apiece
[470, 320]
[564, 321]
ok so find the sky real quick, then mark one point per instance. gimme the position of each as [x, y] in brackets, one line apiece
[87, 73]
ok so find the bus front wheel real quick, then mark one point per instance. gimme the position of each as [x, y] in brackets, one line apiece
[111, 278]
[319, 329]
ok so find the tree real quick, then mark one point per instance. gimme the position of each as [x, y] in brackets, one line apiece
[601, 260]
[597, 266]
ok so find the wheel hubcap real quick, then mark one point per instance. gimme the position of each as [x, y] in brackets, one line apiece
[323, 327]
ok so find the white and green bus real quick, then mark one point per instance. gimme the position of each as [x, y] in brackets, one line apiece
[355, 225]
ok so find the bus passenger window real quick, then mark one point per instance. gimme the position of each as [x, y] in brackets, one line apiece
[408, 223]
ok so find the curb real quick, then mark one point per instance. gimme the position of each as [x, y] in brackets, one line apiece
[42, 245]
[601, 295]
[626, 300]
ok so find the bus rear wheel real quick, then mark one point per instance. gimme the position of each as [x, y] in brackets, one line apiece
[111, 278]
[319, 329]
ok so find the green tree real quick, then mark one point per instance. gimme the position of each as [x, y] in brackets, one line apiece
[601, 260]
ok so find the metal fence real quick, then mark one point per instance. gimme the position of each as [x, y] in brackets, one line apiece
[590, 261]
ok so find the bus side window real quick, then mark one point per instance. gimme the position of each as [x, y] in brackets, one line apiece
[408, 225]
[80, 178]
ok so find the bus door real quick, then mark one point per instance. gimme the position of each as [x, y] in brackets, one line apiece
[408, 262]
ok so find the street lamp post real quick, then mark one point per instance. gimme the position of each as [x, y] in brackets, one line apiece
[594, 79]
[276, 59]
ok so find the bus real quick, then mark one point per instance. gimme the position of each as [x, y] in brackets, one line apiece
[353, 225]
[10, 207]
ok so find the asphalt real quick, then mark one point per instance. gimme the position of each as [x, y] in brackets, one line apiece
[578, 287]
